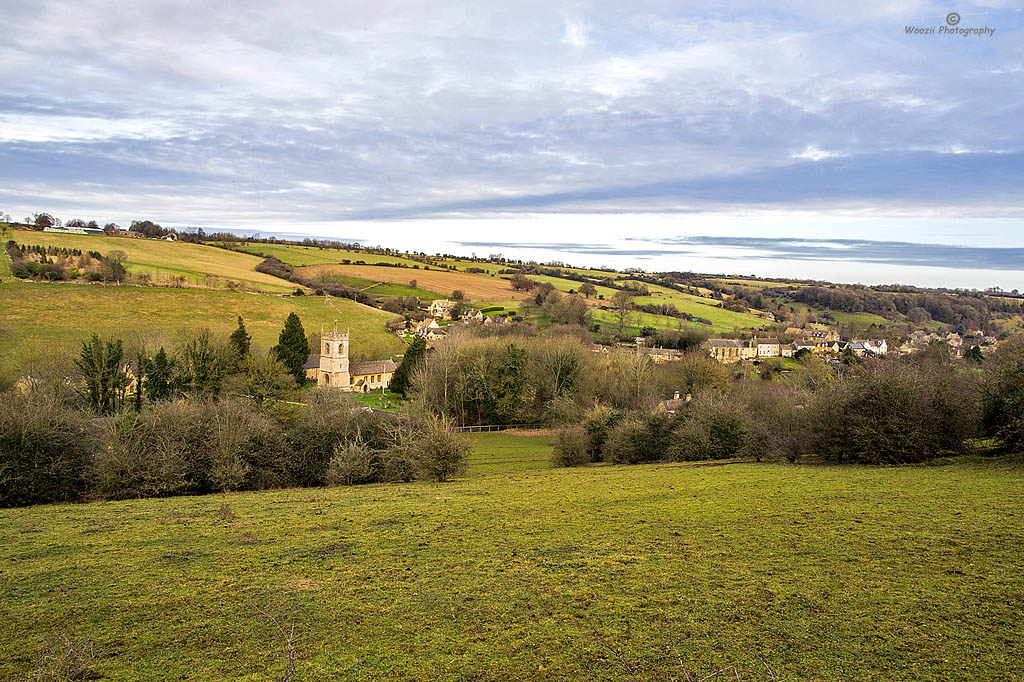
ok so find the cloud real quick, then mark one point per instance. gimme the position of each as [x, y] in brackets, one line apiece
[398, 109]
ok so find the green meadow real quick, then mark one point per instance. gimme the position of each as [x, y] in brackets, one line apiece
[298, 255]
[199, 265]
[40, 320]
[651, 572]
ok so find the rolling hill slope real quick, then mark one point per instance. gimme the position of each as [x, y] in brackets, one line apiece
[39, 321]
[199, 264]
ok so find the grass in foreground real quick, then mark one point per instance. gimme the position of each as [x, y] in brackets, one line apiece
[827, 573]
[39, 320]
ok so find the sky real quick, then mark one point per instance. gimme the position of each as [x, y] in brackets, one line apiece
[815, 140]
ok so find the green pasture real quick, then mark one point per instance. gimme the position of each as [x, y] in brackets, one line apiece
[652, 572]
[200, 265]
[40, 321]
[312, 255]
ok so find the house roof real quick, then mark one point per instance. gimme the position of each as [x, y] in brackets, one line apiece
[774, 342]
[373, 367]
[725, 343]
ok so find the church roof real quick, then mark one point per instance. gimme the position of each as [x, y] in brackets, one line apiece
[373, 367]
[312, 362]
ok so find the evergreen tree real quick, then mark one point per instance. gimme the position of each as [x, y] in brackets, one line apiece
[159, 374]
[105, 380]
[509, 386]
[974, 355]
[292, 348]
[240, 341]
[400, 379]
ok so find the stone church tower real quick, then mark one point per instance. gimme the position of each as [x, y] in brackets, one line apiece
[334, 360]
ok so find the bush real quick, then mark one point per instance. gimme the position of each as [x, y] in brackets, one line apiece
[637, 438]
[351, 463]
[189, 448]
[442, 452]
[598, 421]
[1003, 400]
[572, 447]
[713, 427]
[45, 450]
[889, 412]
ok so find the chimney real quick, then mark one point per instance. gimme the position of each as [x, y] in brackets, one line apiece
[676, 396]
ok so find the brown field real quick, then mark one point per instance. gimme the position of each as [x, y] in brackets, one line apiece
[476, 287]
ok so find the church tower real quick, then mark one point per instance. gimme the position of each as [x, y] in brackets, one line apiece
[334, 359]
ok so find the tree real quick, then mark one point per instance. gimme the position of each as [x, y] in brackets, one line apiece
[240, 342]
[510, 385]
[292, 347]
[105, 379]
[201, 366]
[159, 376]
[264, 377]
[400, 379]
[113, 266]
[588, 289]
[521, 283]
[974, 355]
[44, 220]
[623, 305]
[458, 295]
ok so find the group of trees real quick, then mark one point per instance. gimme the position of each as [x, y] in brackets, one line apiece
[195, 418]
[883, 411]
[60, 264]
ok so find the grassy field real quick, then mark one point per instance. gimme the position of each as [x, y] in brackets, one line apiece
[312, 255]
[510, 451]
[374, 288]
[475, 286]
[568, 284]
[860, 321]
[200, 265]
[40, 320]
[642, 573]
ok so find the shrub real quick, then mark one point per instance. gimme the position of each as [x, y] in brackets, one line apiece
[894, 413]
[713, 427]
[572, 447]
[45, 450]
[189, 448]
[442, 452]
[637, 438]
[598, 421]
[351, 463]
[1003, 400]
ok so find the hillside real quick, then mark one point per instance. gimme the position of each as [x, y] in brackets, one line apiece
[199, 265]
[38, 320]
[641, 573]
[297, 254]
[475, 286]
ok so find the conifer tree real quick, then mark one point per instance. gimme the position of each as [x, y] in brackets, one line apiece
[240, 343]
[400, 379]
[292, 348]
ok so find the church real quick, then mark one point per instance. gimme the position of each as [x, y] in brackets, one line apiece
[331, 367]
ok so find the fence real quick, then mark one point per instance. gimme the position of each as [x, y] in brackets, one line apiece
[493, 427]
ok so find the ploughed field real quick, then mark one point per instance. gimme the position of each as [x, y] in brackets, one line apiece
[622, 573]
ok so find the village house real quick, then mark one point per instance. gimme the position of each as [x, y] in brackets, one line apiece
[725, 350]
[767, 348]
[441, 308]
[472, 315]
[496, 320]
[660, 355]
[425, 327]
